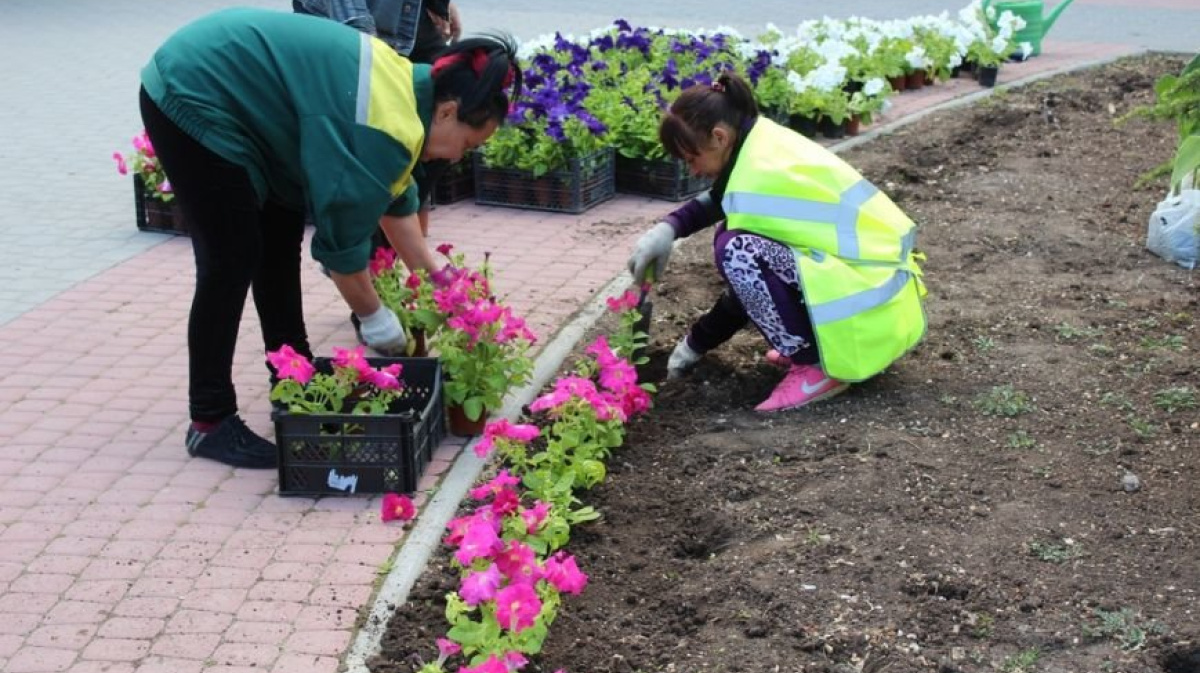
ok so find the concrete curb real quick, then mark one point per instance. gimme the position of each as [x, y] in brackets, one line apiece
[423, 540]
[425, 537]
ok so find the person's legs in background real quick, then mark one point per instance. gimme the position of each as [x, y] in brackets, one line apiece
[221, 207]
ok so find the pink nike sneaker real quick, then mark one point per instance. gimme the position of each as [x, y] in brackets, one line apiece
[774, 359]
[802, 385]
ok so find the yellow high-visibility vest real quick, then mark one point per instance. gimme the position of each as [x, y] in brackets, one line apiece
[853, 247]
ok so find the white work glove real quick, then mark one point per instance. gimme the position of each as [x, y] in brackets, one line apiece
[654, 247]
[382, 331]
[682, 359]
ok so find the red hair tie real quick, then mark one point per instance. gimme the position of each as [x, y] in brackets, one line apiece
[479, 59]
[445, 62]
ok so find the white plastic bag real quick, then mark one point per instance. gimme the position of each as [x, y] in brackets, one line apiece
[1172, 233]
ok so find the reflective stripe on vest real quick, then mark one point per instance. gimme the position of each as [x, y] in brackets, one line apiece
[843, 215]
[385, 86]
[860, 302]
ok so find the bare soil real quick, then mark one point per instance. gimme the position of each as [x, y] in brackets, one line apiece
[1020, 493]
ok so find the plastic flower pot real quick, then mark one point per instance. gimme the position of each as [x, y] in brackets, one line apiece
[460, 425]
[987, 75]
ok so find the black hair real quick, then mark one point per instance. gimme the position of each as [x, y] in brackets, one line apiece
[478, 72]
[686, 127]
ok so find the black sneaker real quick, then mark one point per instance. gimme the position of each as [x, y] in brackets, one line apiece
[234, 444]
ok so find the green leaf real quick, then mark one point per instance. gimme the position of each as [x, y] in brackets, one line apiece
[471, 635]
[473, 407]
[1187, 160]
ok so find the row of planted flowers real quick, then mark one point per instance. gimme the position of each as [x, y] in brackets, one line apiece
[509, 548]
[610, 88]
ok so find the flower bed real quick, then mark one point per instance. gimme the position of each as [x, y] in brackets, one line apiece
[585, 182]
[351, 453]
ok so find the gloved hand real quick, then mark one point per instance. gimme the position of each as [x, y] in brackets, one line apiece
[682, 359]
[382, 331]
[654, 247]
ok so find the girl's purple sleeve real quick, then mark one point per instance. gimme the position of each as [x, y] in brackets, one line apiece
[699, 213]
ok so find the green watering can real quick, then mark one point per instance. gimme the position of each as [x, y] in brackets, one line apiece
[1036, 25]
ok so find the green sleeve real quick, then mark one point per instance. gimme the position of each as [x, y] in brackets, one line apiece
[348, 169]
[407, 204]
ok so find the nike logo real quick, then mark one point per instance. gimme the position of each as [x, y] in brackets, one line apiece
[809, 390]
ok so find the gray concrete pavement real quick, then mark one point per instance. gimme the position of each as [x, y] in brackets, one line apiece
[70, 75]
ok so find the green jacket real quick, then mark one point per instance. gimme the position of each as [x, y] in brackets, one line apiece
[321, 117]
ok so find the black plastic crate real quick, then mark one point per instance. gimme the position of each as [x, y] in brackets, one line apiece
[155, 215]
[347, 454]
[585, 182]
[659, 178]
[456, 184]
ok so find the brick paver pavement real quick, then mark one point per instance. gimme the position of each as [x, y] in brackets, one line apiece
[120, 553]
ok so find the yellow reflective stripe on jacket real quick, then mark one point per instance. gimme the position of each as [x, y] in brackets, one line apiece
[387, 101]
[865, 317]
[841, 307]
[842, 215]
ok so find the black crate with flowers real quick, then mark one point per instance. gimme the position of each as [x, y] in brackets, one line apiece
[455, 184]
[153, 201]
[554, 153]
[381, 440]
[667, 179]
[154, 214]
[583, 182]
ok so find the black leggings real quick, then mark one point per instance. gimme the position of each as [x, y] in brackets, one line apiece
[239, 244]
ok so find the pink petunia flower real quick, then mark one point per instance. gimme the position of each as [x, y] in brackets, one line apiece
[517, 607]
[535, 516]
[165, 187]
[500, 482]
[618, 376]
[458, 528]
[381, 379]
[502, 428]
[564, 574]
[397, 508]
[444, 249]
[447, 648]
[289, 364]
[122, 168]
[383, 260]
[141, 143]
[480, 541]
[517, 561]
[506, 502]
[515, 660]
[625, 302]
[493, 664]
[352, 358]
[602, 351]
[480, 585]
